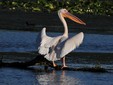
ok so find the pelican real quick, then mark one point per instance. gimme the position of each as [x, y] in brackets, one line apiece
[54, 48]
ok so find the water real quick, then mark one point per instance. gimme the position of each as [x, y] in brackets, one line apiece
[11, 41]
[17, 41]
[14, 41]
[13, 76]
[74, 78]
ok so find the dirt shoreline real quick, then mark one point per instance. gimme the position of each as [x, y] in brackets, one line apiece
[32, 21]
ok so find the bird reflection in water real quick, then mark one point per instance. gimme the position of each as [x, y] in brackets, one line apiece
[57, 78]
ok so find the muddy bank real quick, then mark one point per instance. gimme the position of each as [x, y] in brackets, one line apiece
[30, 21]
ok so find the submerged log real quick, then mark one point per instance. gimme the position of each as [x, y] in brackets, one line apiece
[90, 69]
[41, 60]
[37, 59]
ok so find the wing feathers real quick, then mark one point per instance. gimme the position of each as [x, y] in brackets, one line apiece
[43, 49]
[65, 47]
[71, 44]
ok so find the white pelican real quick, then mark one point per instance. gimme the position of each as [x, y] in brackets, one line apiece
[49, 46]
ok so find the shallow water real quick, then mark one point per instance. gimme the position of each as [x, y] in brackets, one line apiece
[74, 78]
[14, 41]
[13, 76]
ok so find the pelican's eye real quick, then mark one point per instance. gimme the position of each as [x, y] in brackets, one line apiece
[65, 11]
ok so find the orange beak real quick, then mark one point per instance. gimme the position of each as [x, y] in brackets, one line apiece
[73, 18]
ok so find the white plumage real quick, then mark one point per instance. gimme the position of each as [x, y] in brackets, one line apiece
[65, 47]
[43, 48]
[71, 44]
[55, 48]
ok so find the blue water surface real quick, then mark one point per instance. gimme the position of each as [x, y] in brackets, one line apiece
[18, 41]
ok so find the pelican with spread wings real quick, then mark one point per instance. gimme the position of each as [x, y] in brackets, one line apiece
[56, 48]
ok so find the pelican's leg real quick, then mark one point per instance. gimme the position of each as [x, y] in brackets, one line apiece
[64, 62]
[53, 60]
[54, 64]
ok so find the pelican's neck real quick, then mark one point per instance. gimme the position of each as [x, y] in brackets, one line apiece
[64, 24]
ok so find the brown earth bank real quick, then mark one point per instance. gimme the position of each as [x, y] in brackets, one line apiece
[32, 21]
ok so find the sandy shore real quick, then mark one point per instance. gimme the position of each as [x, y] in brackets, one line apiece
[30, 21]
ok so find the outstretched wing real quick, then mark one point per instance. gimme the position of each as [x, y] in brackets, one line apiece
[71, 44]
[65, 47]
[44, 39]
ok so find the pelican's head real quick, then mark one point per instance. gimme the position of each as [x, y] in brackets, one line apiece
[66, 14]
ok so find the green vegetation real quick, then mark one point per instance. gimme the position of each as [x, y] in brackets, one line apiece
[97, 7]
